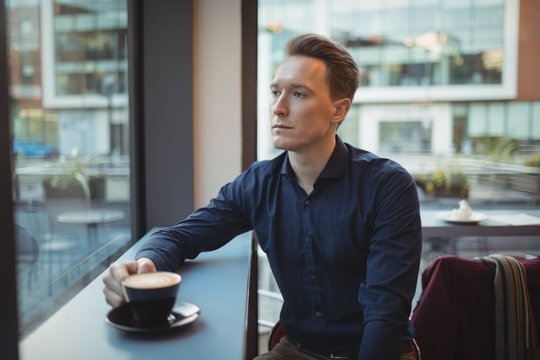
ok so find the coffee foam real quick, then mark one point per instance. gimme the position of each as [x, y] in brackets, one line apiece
[154, 280]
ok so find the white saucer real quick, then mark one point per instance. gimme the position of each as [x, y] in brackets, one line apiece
[449, 217]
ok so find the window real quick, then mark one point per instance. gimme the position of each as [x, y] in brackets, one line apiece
[437, 94]
[437, 54]
[69, 105]
[405, 137]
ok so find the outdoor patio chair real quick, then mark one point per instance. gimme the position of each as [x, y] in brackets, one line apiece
[57, 248]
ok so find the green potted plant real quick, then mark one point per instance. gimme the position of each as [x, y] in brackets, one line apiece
[448, 181]
[532, 161]
[70, 182]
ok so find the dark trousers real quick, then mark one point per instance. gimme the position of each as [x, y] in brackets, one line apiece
[286, 350]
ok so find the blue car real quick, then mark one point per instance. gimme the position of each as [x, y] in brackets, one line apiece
[33, 148]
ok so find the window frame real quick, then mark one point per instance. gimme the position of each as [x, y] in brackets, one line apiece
[9, 326]
[151, 205]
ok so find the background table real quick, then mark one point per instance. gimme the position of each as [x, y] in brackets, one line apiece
[91, 218]
[432, 226]
[216, 281]
[441, 238]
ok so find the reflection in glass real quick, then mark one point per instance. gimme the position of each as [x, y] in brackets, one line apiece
[68, 66]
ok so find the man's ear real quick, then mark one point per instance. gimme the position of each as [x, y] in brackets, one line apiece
[342, 109]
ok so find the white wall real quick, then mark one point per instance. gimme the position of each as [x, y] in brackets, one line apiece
[217, 96]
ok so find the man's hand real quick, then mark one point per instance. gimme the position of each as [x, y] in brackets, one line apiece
[114, 295]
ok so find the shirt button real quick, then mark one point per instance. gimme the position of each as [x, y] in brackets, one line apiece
[313, 277]
[318, 314]
[307, 202]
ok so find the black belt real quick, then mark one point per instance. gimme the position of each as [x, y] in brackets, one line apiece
[409, 346]
[345, 354]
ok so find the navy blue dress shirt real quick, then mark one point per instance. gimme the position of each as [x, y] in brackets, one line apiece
[345, 257]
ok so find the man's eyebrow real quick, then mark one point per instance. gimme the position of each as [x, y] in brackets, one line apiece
[300, 86]
[294, 86]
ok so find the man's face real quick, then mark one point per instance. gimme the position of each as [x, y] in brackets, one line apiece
[302, 111]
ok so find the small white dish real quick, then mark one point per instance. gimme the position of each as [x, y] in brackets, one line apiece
[450, 217]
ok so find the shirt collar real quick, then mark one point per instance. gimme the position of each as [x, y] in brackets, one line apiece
[335, 167]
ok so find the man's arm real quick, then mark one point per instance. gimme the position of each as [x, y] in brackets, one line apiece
[392, 267]
[206, 229]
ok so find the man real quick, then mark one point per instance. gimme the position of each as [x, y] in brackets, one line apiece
[340, 226]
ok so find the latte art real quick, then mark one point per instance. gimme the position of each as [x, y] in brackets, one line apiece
[154, 280]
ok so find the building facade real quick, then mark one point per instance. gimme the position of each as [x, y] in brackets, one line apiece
[69, 80]
[442, 81]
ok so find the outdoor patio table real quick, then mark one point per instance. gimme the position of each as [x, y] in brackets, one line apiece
[442, 238]
[433, 226]
[91, 218]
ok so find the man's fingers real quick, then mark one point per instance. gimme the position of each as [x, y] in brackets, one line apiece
[132, 267]
[112, 284]
[114, 294]
[112, 298]
[120, 271]
[145, 265]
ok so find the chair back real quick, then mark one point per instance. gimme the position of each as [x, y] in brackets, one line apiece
[27, 248]
[36, 219]
[277, 332]
[455, 316]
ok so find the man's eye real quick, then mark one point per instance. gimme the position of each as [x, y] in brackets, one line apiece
[274, 93]
[298, 94]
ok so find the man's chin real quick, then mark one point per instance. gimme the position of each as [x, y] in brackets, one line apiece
[285, 144]
[280, 145]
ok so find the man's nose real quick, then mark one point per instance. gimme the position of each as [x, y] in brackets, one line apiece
[280, 107]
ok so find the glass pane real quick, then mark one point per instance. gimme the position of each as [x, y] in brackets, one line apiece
[345, 17]
[426, 15]
[535, 120]
[405, 137]
[456, 13]
[496, 119]
[518, 126]
[477, 119]
[424, 47]
[348, 130]
[68, 87]
[484, 148]
[489, 12]
[396, 20]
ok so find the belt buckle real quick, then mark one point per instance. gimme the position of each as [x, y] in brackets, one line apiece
[332, 356]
